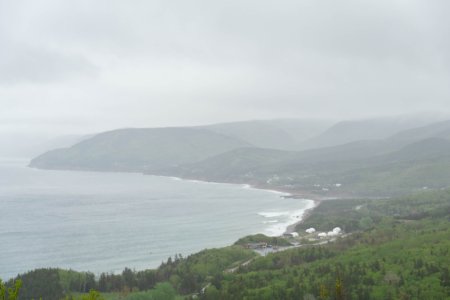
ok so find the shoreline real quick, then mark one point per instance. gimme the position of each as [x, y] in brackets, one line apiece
[306, 214]
[283, 193]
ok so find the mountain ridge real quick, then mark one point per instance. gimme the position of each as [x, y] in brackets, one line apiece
[363, 167]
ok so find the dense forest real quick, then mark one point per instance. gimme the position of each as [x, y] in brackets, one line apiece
[392, 249]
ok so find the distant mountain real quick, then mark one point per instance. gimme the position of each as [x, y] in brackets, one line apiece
[372, 129]
[375, 167]
[139, 150]
[282, 134]
[435, 130]
[155, 148]
[408, 160]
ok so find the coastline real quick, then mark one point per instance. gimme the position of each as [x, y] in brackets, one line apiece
[287, 194]
[283, 193]
[306, 214]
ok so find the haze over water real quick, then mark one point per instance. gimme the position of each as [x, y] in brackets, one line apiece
[104, 222]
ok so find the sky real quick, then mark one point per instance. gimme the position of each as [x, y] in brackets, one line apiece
[82, 66]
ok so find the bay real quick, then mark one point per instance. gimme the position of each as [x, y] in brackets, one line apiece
[104, 222]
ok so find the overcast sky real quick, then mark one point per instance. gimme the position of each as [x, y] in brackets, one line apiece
[84, 66]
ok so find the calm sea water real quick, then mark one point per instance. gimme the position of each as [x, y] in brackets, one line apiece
[103, 222]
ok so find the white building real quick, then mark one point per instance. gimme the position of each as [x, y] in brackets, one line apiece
[337, 230]
[310, 230]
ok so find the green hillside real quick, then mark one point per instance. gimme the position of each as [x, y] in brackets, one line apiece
[395, 249]
[385, 167]
[232, 166]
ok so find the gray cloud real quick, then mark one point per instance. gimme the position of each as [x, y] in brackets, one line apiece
[24, 63]
[107, 64]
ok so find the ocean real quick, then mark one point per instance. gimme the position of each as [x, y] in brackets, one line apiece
[104, 222]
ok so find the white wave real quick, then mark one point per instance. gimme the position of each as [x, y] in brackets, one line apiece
[270, 221]
[248, 186]
[275, 230]
[284, 194]
[273, 214]
[290, 218]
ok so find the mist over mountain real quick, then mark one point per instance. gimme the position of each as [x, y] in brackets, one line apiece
[366, 168]
[157, 148]
[139, 150]
[369, 129]
[385, 160]
[283, 134]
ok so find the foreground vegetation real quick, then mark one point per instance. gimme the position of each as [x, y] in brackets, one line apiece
[393, 249]
[398, 249]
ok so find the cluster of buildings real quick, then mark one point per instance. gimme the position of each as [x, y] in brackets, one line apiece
[335, 232]
[264, 248]
[312, 231]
